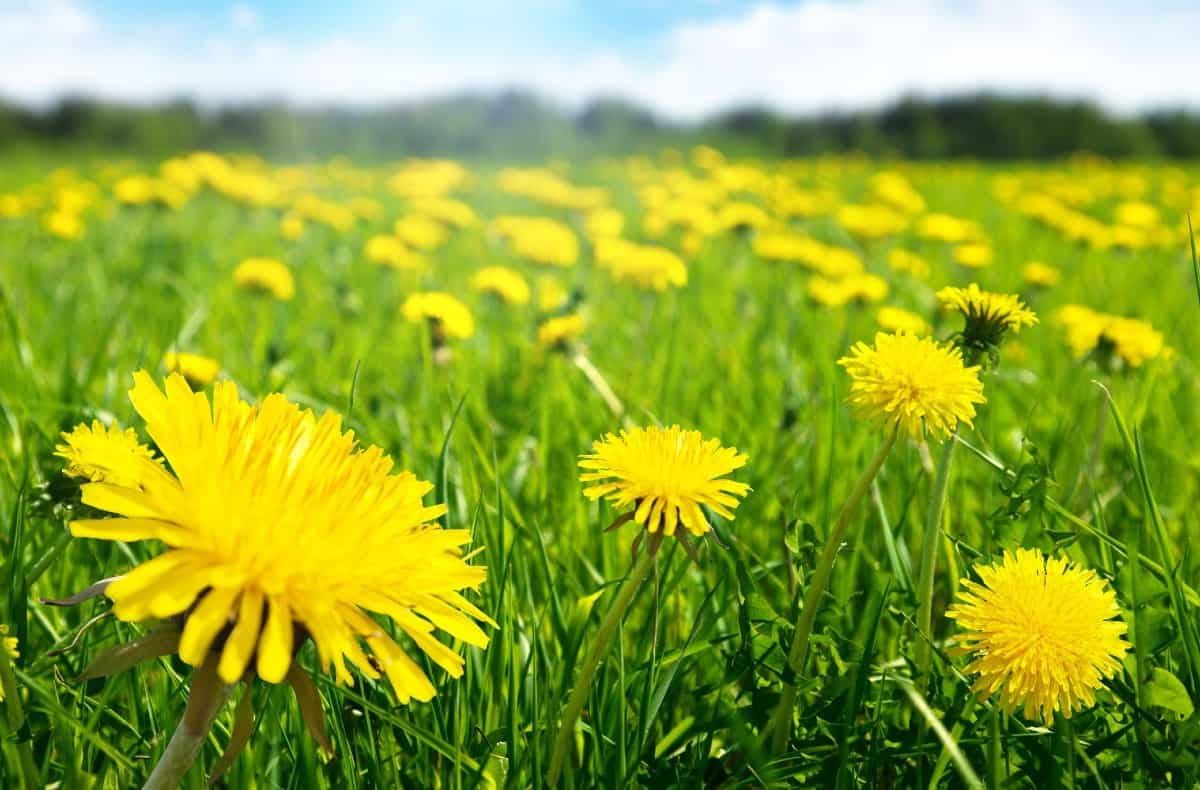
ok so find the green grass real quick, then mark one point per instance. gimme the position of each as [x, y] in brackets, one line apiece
[686, 693]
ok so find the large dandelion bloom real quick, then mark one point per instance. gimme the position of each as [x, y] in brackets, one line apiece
[1042, 633]
[276, 529]
[989, 315]
[668, 473]
[916, 384]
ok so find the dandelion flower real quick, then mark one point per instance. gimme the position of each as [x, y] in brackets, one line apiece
[1115, 339]
[897, 319]
[560, 330]
[450, 316]
[916, 384]
[1041, 275]
[989, 315]
[266, 275]
[667, 473]
[974, 255]
[199, 370]
[278, 529]
[391, 252]
[104, 454]
[1041, 632]
[503, 282]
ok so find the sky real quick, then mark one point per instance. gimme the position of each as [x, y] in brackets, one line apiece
[685, 60]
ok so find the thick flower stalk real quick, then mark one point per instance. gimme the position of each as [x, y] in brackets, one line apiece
[666, 475]
[911, 386]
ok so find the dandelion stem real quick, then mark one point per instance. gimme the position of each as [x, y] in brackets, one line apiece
[782, 724]
[583, 685]
[205, 701]
[597, 380]
[929, 545]
[14, 721]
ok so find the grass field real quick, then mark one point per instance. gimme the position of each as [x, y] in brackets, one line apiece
[776, 270]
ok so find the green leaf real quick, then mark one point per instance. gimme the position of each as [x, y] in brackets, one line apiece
[1164, 690]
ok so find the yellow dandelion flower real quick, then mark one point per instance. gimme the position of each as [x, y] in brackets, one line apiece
[901, 260]
[64, 224]
[420, 232]
[291, 227]
[502, 281]
[277, 530]
[974, 256]
[391, 252]
[1041, 631]
[1116, 339]
[1041, 275]
[105, 454]
[1133, 340]
[916, 384]
[642, 265]
[450, 316]
[989, 315]
[552, 295]
[266, 275]
[897, 319]
[560, 330]
[199, 370]
[667, 474]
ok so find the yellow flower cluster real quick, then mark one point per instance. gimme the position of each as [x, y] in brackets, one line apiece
[538, 239]
[1130, 341]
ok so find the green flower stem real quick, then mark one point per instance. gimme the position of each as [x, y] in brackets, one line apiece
[583, 685]
[14, 720]
[781, 725]
[929, 546]
[207, 697]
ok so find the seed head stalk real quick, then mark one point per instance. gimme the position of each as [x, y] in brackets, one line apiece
[629, 588]
[781, 725]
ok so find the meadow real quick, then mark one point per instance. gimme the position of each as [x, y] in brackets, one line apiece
[484, 325]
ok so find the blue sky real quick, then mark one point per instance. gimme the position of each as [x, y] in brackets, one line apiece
[685, 59]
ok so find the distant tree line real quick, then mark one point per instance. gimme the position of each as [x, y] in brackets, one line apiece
[519, 126]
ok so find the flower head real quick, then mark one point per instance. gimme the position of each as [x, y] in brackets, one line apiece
[1114, 339]
[502, 281]
[1041, 632]
[389, 251]
[266, 275]
[560, 330]
[9, 645]
[104, 454]
[897, 319]
[199, 370]
[1041, 275]
[448, 314]
[278, 529]
[668, 473]
[916, 384]
[989, 315]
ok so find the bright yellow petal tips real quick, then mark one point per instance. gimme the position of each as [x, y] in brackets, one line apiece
[278, 528]
[105, 454]
[666, 474]
[916, 384]
[1042, 632]
[989, 315]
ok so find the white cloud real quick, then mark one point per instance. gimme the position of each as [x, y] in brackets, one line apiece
[243, 18]
[819, 54]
